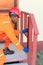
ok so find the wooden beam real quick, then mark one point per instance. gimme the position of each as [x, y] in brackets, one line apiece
[34, 55]
[16, 3]
[30, 45]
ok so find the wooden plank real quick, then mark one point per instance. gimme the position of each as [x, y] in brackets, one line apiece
[21, 24]
[16, 3]
[34, 55]
[7, 5]
[4, 4]
[25, 21]
[16, 57]
[30, 45]
[34, 24]
[17, 64]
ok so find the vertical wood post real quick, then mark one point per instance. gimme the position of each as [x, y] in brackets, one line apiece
[34, 55]
[30, 42]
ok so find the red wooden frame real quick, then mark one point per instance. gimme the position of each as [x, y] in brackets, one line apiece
[28, 21]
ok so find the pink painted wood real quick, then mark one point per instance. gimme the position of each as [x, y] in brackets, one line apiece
[21, 24]
[25, 21]
[34, 24]
[34, 50]
[31, 41]
[30, 45]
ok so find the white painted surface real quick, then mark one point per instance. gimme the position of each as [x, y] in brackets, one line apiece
[35, 7]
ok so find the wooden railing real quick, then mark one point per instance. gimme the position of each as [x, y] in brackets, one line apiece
[28, 21]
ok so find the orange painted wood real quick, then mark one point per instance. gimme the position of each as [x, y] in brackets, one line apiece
[16, 3]
[6, 4]
[4, 13]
